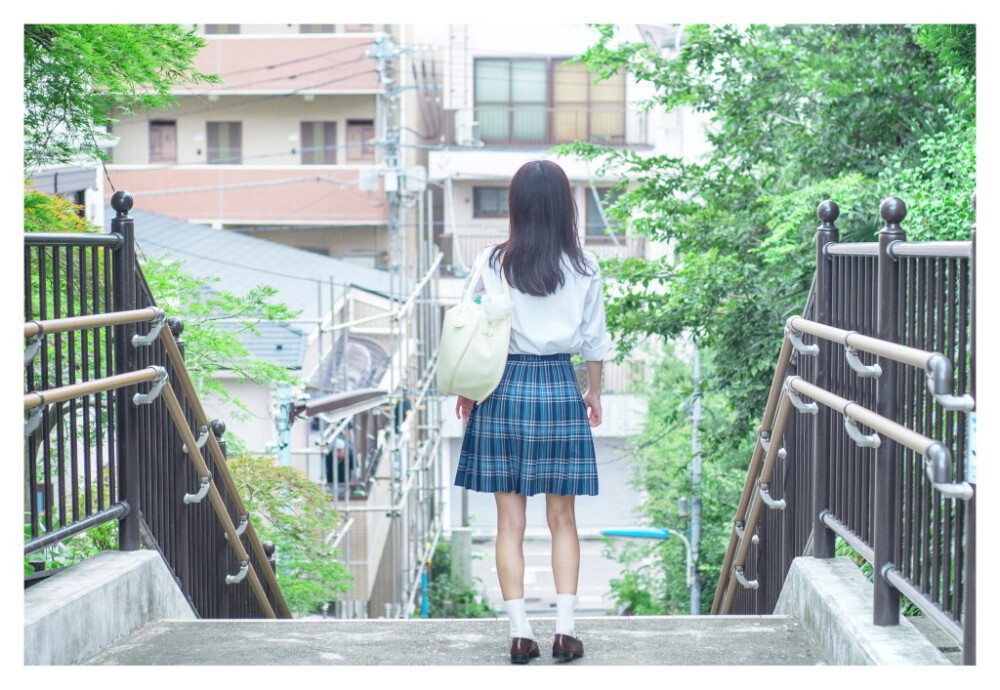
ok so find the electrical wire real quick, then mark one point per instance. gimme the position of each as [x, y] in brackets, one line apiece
[305, 58]
[289, 77]
[267, 97]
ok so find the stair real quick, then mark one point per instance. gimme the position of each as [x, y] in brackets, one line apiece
[608, 641]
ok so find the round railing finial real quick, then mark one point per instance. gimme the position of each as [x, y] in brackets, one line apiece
[828, 211]
[893, 210]
[268, 548]
[218, 427]
[176, 326]
[121, 202]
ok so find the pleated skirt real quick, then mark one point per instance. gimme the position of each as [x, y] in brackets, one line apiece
[531, 435]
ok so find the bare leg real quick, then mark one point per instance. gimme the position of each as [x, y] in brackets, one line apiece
[561, 514]
[510, 544]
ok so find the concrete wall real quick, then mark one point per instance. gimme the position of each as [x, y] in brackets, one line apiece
[832, 600]
[77, 613]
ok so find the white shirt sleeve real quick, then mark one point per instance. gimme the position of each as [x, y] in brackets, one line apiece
[596, 340]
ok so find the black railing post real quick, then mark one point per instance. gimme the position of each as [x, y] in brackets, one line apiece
[222, 561]
[126, 441]
[889, 454]
[181, 470]
[969, 624]
[826, 233]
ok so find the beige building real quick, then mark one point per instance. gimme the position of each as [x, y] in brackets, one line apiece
[285, 147]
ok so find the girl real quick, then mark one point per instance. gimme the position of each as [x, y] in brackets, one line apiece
[532, 434]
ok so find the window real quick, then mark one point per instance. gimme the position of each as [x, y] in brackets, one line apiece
[360, 148]
[595, 226]
[222, 28]
[163, 141]
[225, 143]
[489, 202]
[584, 110]
[319, 143]
[316, 28]
[546, 101]
[511, 98]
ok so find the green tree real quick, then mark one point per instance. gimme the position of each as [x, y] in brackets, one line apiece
[796, 114]
[655, 578]
[77, 75]
[294, 513]
[214, 320]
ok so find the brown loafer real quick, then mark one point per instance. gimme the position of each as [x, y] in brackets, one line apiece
[566, 648]
[522, 649]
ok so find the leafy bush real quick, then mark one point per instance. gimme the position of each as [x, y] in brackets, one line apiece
[297, 515]
[451, 598]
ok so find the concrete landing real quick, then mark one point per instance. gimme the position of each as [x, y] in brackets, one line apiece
[608, 641]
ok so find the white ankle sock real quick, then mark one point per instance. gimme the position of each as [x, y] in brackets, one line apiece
[519, 625]
[565, 608]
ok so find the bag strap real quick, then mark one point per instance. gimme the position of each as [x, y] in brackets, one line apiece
[478, 274]
[467, 297]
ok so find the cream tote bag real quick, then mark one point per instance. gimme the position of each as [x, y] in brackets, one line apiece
[474, 341]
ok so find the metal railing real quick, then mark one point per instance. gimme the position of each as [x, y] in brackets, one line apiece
[111, 452]
[538, 125]
[882, 457]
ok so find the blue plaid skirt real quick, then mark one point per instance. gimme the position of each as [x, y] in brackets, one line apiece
[531, 435]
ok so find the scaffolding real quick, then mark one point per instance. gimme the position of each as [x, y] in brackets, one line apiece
[392, 490]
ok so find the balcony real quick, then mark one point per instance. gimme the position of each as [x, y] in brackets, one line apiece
[531, 126]
[243, 195]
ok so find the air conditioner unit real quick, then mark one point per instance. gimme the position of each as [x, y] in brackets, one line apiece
[467, 134]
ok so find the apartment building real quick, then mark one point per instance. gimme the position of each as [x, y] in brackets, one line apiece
[286, 147]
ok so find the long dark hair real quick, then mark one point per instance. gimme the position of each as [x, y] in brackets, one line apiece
[543, 227]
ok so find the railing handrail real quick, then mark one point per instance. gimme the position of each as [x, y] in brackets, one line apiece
[743, 532]
[180, 423]
[936, 454]
[86, 321]
[950, 249]
[78, 390]
[74, 239]
[773, 396]
[938, 367]
[222, 467]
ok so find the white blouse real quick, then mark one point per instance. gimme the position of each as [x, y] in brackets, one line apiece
[572, 319]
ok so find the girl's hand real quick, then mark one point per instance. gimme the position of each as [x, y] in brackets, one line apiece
[463, 408]
[592, 401]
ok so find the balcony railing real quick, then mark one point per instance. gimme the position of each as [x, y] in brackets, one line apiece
[542, 126]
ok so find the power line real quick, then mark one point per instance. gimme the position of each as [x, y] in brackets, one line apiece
[291, 76]
[258, 99]
[305, 58]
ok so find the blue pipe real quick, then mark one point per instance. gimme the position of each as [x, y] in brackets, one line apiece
[424, 608]
[642, 532]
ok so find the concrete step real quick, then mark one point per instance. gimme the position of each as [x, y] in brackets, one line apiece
[608, 641]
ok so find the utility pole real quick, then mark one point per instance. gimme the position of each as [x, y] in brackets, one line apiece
[695, 486]
[396, 186]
